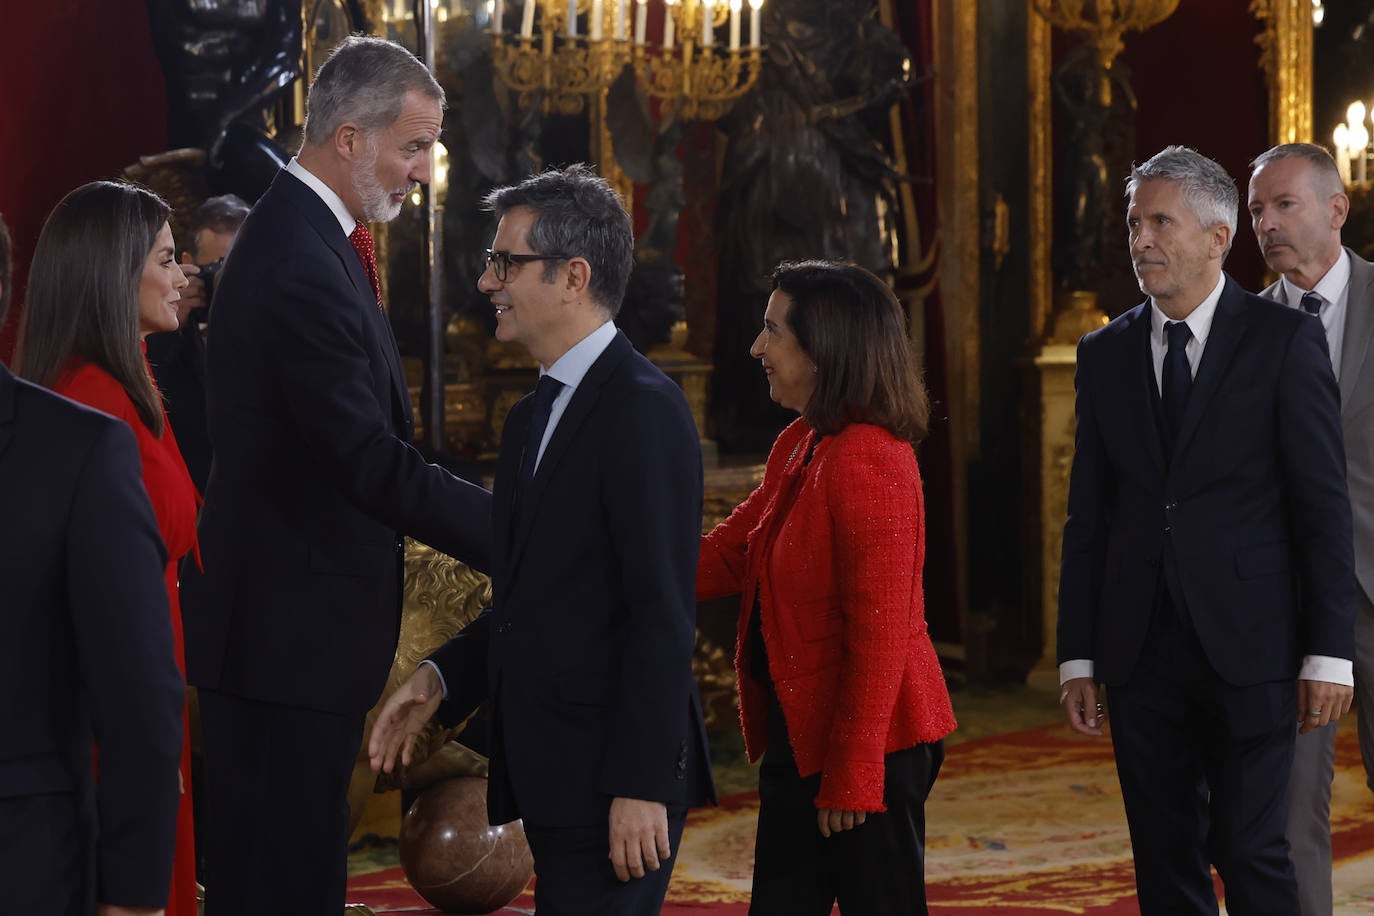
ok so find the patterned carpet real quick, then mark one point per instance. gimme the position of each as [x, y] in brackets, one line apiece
[1023, 822]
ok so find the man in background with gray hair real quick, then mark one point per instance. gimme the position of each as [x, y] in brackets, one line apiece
[1207, 574]
[1297, 207]
[292, 625]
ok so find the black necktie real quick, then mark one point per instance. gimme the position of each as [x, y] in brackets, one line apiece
[1177, 378]
[1312, 303]
[542, 405]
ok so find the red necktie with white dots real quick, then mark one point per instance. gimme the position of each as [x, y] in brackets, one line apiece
[367, 251]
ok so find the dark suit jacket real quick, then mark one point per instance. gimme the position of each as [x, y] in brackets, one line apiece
[586, 652]
[85, 641]
[314, 480]
[1250, 504]
[1357, 409]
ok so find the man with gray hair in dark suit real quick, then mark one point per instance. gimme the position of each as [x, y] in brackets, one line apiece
[1298, 206]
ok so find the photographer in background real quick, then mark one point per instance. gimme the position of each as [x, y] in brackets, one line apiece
[178, 357]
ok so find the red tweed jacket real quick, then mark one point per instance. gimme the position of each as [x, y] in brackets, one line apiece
[838, 577]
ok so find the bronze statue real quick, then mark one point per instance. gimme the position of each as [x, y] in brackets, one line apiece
[1084, 193]
[226, 62]
[806, 176]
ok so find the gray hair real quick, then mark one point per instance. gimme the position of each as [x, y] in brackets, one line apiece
[1326, 178]
[364, 80]
[577, 215]
[1208, 190]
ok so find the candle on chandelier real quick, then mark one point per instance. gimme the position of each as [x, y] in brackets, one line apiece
[572, 18]
[755, 6]
[527, 19]
[1359, 138]
[708, 23]
[668, 27]
[620, 19]
[1340, 139]
[735, 6]
[497, 10]
[641, 20]
[594, 20]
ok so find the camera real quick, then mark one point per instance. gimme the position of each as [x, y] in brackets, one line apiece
[208, 273]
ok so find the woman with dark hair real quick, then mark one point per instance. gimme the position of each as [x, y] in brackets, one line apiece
[841, 692]
[105, 276]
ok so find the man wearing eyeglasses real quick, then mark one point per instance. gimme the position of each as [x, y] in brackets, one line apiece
[585, 657]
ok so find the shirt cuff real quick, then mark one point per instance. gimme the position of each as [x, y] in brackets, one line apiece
[1075, 667]
[1325, 668]
[444, 684]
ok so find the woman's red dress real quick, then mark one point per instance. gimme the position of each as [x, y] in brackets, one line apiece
[174, 500]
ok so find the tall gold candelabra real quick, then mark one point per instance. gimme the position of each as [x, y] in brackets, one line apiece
[1104, 22]
[691, 73]
[559, 67]
[567, 52]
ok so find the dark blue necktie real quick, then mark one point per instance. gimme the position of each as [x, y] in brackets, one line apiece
[542, 405]
[1177, 378]
[1312, 303]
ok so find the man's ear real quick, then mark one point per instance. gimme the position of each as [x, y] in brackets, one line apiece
[579, 276]
[348, 141]
[1221, 240]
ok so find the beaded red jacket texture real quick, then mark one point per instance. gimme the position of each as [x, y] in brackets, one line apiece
[834, 550]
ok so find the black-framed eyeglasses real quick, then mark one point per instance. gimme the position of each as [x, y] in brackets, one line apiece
[501, 261]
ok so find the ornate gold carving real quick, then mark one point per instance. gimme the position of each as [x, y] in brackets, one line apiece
[1039, 175]
[1286, 56]
[699, 84]
[558, 80]
[1103, 22]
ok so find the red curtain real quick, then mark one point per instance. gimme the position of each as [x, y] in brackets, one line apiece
[84, 98]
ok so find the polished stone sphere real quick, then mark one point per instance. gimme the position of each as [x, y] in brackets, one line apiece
[454, 858]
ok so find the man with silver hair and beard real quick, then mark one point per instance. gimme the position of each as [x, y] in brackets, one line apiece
[291, 622]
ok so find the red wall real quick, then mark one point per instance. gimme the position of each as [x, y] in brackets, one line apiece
[1198, 81]
[83, 98]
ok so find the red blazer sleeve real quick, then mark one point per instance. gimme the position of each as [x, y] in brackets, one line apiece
[722, 568]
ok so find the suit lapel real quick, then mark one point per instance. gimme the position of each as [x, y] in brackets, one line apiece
[584, 401]
[318, 214]
[1359, 325]
[1229, 324]
[1140, 386]
[9, 389]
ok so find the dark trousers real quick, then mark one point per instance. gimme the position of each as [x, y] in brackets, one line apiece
[876, 869]
[573, 874]
[47, 855]
[1204, 770]
[277, 802]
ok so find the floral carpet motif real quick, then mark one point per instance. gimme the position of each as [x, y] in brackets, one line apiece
[1029, 822]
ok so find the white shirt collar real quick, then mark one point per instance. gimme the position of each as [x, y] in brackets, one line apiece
[572, 367]
[1329, 287]
[1199, 321]
[331, 200]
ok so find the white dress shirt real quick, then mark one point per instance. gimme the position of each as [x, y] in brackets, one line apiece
[570, 369]
[1334, 288]
[331, 200]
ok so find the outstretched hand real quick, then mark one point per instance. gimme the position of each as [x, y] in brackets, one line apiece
[405, 712]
